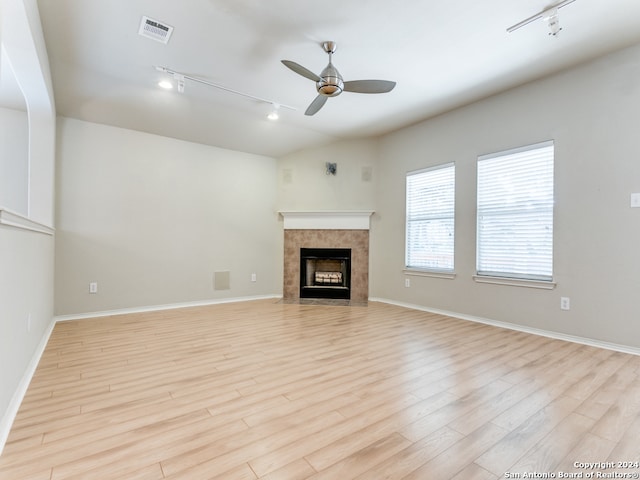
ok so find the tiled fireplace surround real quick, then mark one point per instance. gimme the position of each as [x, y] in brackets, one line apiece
[334, 230]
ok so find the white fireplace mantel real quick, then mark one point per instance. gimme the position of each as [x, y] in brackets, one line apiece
[327, 220]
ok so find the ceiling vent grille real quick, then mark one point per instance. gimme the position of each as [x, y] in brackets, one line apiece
[155, 30]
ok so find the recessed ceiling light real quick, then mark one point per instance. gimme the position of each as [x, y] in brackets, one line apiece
[166, 84]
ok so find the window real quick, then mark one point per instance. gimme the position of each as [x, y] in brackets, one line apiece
[515, 213]
[430, 218]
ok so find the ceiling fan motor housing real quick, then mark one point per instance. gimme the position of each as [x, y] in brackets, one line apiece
[330, 83]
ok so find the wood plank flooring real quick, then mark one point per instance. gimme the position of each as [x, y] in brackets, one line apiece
[273, 391]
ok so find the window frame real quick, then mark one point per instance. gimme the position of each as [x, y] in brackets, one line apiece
[545, 206]
[422, 269]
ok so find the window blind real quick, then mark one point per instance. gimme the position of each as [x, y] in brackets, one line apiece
[430, 218]
[515, 213]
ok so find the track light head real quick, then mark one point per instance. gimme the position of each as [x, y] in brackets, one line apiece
[274, 114]
[551, 17]
[180, 81]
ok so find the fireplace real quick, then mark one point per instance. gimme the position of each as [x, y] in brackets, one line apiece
[347, 230]
[325, 273]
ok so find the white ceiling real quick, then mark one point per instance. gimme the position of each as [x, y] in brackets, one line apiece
[442, 54]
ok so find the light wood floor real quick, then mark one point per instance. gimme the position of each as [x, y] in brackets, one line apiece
[273, 391]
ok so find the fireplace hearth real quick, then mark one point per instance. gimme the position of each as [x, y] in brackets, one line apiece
[325, 273]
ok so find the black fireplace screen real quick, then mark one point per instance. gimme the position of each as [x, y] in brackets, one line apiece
[325, 273]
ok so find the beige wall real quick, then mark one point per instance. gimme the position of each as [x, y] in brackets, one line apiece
[303, 184]
[26, 305]
[152, 218]
[592, 113]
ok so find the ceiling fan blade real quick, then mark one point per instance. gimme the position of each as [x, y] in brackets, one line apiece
[300, 70]
[369, 86]
[316, 105]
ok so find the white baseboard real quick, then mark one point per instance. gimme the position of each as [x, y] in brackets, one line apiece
[16, 400]
[155, 308]
[521, 328]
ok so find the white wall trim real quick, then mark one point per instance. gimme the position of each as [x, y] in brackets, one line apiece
[16, 400]
[155, 308]
[13, 219]
[521, 328]
[515, 282]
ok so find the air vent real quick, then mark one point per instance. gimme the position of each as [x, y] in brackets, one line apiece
[155, 30]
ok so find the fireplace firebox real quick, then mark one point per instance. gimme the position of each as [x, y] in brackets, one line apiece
[325, 273]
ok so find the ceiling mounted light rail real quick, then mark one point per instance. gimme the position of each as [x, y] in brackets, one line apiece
[550, 15]
[180, 78]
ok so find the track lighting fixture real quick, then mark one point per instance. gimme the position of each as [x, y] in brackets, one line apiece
[180, 81]
[549, 15]
[553, 22]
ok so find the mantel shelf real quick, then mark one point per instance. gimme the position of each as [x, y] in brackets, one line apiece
[327, 220]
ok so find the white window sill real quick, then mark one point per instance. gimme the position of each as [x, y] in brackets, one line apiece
[515, 282]
[429, 273]
[12, 219]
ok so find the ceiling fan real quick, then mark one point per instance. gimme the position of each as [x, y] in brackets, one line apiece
[330, 83]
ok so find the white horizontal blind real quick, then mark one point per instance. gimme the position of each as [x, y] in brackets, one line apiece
[515, 213]
[430, 218]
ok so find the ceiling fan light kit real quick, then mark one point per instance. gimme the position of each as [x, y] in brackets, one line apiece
[330, 83]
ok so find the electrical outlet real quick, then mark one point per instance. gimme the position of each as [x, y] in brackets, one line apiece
[407, 282]
[253, 277]
[635, 200]
[93, 287]
[565, 303]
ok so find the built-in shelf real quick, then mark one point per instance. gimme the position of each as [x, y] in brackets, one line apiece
[327, 220]
[15, 220]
